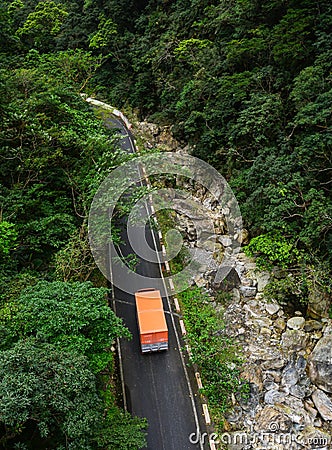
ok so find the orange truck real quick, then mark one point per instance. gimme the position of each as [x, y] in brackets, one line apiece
[151, 320]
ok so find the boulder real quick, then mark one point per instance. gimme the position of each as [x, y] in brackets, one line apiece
[272, 420]
[263, 279]
[272, 308]
[273, 396]
[323, 404]
[294, 340]
[226, 241]
[227, 279]
[312, 325]
[318, 303]
[295, 323]
[290, 376]
[248, 291]
[320, 364]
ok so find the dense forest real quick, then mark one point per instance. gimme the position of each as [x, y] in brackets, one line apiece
[246, 83]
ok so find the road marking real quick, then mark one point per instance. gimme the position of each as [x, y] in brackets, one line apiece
[190, 353]
[176, 303]
[212, 445]
[206, 414]
[199, 381]
[183, 328]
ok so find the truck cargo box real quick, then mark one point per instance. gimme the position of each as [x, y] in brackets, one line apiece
[151, 320]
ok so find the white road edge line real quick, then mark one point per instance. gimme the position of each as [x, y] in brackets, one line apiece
[183, 328]
[176, 303]
[212, 445]
[206, 414]
[199, 381]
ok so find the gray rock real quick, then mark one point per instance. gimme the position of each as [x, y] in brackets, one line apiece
[297, 391]
[262, 321]
[320, 364]
[236, 295]
[296, 323]
[228, 279]
[263, 279]
[273, 396]
[312, 325]
[269, 385]
[293, 408]
[294, 340]
[301, 364]
[248, 291]
[280, 324]
[272, 308]
[273, 364]
[290, 376]
[323, 404]
[226, 241]
[271, 420]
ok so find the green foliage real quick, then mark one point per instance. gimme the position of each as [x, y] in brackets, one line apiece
[246, 84]
[213, 351]
[42, 24]
[106, 31]
[270, 250]
[55, 338]
[74, 262]
[52, 389]
[288, 290]
[73, 316]
[54, 152]
[8, 237]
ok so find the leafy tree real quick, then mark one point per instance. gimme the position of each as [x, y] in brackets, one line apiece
[73, 316]
[50, 391]
[43, 24]
[49, 397]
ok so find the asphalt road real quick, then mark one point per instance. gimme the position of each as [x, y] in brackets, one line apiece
[157, 386]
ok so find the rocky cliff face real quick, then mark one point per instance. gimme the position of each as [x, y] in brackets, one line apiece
[287, 359]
